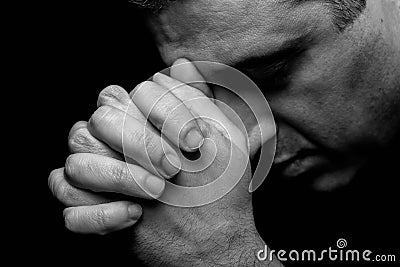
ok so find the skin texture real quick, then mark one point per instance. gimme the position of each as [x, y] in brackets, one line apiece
[212, 234]
[342, 93]
[340, 99]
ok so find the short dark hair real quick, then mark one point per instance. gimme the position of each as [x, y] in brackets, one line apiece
[345, 12]
[151, 4]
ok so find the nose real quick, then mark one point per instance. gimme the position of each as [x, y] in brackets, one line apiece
[290, 142]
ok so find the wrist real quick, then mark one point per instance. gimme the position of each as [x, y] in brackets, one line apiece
[236, 247]
[244, 251]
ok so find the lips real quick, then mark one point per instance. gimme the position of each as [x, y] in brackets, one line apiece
[304, 161]
[295, 154]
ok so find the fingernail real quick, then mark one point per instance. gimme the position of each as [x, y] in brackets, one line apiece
[134, 211]
[181, 61]
[155, 185]
[194, 139]
[171, 164]
[112, 94]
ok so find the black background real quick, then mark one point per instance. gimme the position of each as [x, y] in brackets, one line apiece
[65, 54]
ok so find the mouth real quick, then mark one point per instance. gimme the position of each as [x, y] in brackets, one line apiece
[304, 161]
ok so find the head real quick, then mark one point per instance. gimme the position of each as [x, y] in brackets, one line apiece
[330, 70]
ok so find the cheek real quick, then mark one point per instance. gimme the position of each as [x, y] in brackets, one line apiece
[335, 104]
[326, 118]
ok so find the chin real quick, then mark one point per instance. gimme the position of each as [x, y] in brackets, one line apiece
[333, 180]
[315, 180]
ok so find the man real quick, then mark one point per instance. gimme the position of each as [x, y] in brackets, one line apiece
[331, 73]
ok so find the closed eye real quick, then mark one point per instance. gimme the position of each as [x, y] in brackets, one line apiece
[273, 76]
[273, 70]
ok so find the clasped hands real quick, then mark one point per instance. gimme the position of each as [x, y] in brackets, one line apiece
[120, 162]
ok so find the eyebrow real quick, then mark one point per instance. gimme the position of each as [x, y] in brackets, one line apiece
[271, 63]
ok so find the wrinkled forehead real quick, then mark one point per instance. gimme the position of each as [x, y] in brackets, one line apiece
[223, 30]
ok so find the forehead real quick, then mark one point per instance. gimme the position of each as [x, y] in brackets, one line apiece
[230, 30]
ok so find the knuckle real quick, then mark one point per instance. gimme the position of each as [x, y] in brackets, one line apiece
[170, 108]
[95, 221]
[53, 181]
[70, 218]
[142, 88]
[61, 190]
[143, 139]
[74, 146]
[64, 192]
[151, 145]
[78, 140]
[71, 165]
[102, 115]
[83, 142]
[121, 176]
[78, 125]
[102, 218]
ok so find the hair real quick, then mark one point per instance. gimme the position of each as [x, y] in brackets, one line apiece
[151, 4]
[344, 12]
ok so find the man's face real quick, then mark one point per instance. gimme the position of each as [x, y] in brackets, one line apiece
[335, 96]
